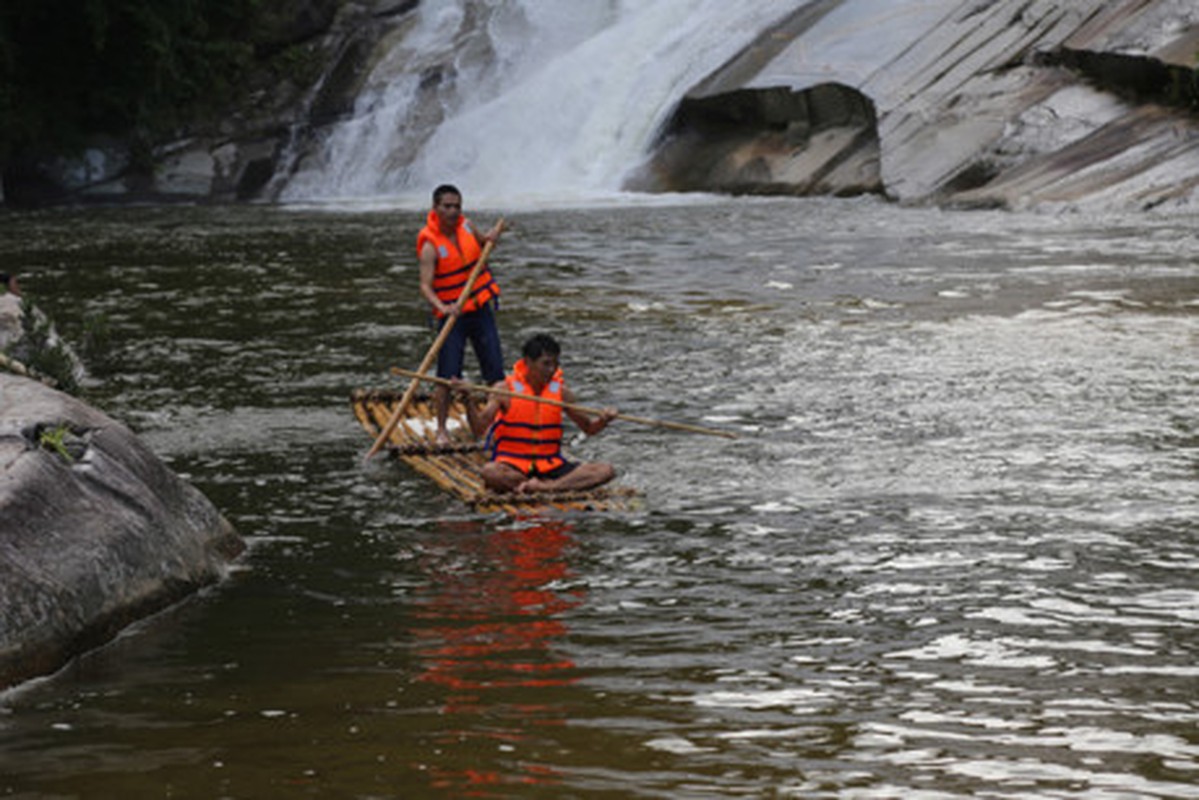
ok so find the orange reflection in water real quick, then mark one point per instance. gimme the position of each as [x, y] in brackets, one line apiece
[486, 630]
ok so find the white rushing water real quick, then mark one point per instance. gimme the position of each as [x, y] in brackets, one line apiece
[531, 100]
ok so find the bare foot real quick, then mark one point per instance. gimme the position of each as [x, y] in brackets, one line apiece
[533, 485]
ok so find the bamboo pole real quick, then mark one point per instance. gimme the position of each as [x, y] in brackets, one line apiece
[431, 356]
[678, 426]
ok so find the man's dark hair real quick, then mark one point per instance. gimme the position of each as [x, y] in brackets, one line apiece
[443, 190]
[539, 345]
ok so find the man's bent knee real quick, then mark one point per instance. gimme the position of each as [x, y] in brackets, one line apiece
[500, 477]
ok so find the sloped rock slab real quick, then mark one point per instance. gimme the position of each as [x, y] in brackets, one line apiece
[95, 531]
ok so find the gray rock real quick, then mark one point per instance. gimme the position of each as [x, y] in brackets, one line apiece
[95, 531]
[964, 106]
[10, 319]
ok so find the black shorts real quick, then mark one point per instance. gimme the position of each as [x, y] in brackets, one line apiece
[565, 468]
[479, 328]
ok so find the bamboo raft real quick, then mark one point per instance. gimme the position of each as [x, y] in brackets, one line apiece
[455, 467]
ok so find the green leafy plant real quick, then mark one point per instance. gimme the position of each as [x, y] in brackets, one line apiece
[55, 440]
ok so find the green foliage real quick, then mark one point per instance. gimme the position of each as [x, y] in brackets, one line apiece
[42, 352]
[298, 63]
[71, 68]
[55, 440]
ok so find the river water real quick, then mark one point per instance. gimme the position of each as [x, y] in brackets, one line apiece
[954, 551]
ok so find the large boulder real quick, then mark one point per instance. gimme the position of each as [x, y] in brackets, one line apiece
[95, 531]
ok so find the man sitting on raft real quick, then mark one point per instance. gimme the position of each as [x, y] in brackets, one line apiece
[527, 435]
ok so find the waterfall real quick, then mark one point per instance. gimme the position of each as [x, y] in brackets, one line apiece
[525, 101]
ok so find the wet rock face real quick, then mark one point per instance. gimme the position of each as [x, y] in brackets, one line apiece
[964, 100]
[95, 531]
[822, 140]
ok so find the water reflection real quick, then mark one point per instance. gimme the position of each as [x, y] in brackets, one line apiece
[487, 629]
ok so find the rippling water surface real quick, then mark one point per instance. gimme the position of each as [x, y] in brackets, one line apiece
[953, 553]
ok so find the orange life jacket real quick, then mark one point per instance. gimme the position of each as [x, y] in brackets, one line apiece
[455, 263]
[528, 435]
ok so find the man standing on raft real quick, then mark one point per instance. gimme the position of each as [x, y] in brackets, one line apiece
[527, 435]
[447, 249]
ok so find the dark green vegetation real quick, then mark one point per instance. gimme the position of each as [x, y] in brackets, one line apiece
[42, 352]
[74, 68]
[138, 71]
